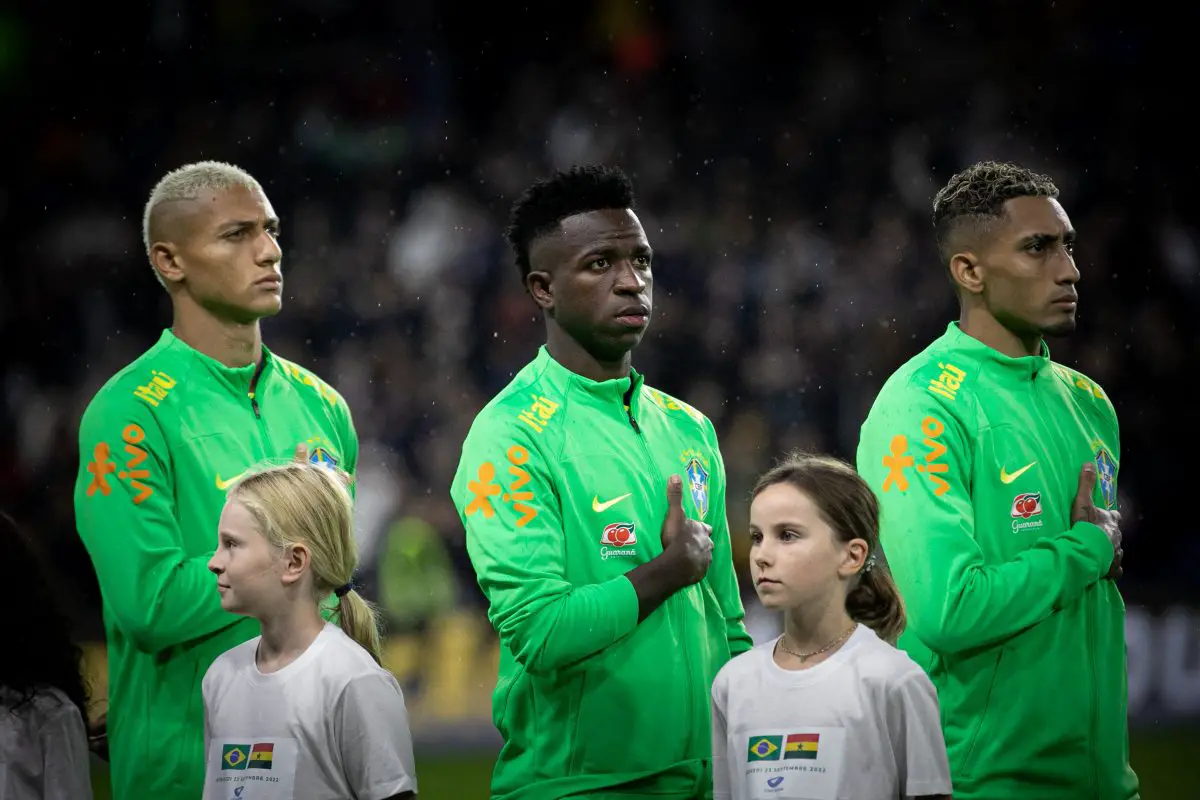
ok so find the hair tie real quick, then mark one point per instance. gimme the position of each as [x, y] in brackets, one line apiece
[342, 591]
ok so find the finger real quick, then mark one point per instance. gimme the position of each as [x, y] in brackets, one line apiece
[1087, 484]
[301, 453]
[675, 500]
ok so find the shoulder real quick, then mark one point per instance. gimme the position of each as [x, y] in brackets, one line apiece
[303, 377]
[147, 384]
[531, 405]
[937, 376]
[344, 663]
[679, 412]
[886, 666]
[1087, 391]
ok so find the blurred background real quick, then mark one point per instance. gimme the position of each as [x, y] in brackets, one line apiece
[785, 163]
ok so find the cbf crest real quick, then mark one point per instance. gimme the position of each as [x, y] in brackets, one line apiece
[697, 471]
[1106, 473]
[319, 455]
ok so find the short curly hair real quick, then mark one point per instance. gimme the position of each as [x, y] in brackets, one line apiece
[975, 197]
[548, 202]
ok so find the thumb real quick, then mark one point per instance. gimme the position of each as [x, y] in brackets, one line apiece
[301, 453]
[1087, 483]
[674, 499]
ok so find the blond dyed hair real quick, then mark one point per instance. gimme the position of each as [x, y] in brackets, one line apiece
[301, 503]
[188, 183]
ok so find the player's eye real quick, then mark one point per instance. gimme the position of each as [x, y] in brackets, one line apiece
[599, 264]
[642, 261]
[238, 233]
[756, 537]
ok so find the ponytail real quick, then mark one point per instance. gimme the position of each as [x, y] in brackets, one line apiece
[360, 621]
[875, 602]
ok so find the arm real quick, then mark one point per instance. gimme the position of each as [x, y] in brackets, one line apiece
[957, 602]
[371, 725]
[722, 574]
[915, 728]
[158, 597]
[67, 773]
[518, 551]
[720, 742]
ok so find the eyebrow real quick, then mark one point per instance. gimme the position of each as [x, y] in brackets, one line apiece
[235, 224]
[1048, 238]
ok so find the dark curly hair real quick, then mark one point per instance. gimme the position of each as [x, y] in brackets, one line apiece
[974, 199]
[43, 655]
[548, 202]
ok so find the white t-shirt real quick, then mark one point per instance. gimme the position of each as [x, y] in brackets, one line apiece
[43, 748]
[329, 726]
[861, 725]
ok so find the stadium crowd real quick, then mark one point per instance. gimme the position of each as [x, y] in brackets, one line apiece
[789, 208]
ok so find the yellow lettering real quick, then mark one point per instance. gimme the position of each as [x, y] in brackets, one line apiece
[528, 419]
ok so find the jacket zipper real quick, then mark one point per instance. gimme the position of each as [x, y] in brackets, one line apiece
[252, 393]
[676, 603]
[1090, 623]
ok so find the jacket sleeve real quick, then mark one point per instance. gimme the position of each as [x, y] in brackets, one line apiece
[506, 496]
[918, 460]
[722, 575]
[125, 513]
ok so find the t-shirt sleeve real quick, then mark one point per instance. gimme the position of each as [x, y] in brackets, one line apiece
[915, 727]
[67, 768]
[722, 790]
[373, 735]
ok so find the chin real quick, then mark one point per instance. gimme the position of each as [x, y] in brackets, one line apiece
[1064, 328]
[773, 600]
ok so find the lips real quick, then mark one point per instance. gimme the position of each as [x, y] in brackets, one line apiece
[633, 316]
[271, 280]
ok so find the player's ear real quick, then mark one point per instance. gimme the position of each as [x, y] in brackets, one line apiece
[967, 272]
[537, 283]
[164, 256]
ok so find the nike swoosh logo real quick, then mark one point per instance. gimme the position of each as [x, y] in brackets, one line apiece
[223, 485]
[1009, 477]
[597, 506]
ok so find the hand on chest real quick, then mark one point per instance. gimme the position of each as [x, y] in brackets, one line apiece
[614, 496]
[1025, 480]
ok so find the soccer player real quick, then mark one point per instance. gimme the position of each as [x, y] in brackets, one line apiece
[306, 704]
[830, 708]
[159, 445]
[996, 470]
[593, 506]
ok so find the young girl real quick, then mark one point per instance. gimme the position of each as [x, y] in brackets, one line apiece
[830, 710]
[43, 704]
[304, 711]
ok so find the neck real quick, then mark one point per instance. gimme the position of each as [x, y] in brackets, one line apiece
[811, 628]
[572, 355]
[234, 344]
[979, 324]
[286, 633]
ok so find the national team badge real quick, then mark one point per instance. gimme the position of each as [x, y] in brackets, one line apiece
[698, 482]
[1106, 471]
[322, 458]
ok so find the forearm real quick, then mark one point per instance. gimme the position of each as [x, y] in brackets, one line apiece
[975, 605]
